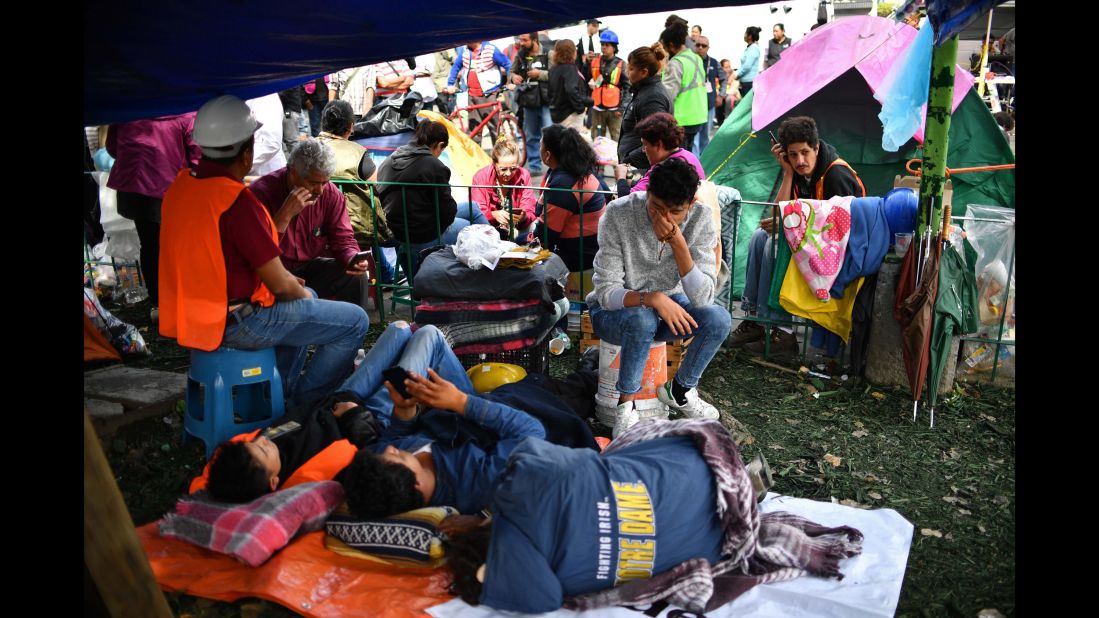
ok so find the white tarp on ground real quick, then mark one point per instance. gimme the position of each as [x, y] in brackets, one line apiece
[871, 586]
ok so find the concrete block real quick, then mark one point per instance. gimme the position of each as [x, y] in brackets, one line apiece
[884, 359]
[134, 388]
[99, 409]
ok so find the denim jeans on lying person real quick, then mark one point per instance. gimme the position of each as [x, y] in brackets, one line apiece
[336, 329]
[415, 352]
[635, 328]
[757, 282]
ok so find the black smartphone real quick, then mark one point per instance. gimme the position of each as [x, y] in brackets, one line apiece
[396, 375]
[358, 257]
[774, 140]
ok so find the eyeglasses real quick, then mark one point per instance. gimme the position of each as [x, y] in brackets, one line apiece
[701, 45]
[504, 170]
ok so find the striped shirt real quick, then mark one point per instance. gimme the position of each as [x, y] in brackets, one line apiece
[390, 70]
[563, 214]
[488, 57]
[351, 86]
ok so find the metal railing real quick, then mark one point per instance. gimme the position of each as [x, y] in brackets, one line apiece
[404, 290]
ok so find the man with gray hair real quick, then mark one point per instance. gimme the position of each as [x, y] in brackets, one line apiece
[222, 283]
[310, 214]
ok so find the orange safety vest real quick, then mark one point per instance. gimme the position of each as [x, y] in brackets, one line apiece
[324, 466]
[819, 193]
[194, 300]
[607, 95]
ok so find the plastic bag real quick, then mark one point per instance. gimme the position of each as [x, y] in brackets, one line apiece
[606, 150]
[480, 245]
[993, 240]
[390, 116]
[123, 336]
[122, 240]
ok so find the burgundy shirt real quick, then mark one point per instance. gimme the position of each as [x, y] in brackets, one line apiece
[149, 153]
[321, 230]
[245, 236]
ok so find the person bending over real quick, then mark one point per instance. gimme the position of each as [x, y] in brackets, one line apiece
[655, 278]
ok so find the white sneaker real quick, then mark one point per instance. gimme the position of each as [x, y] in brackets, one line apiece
[625, 416]
[695, 406]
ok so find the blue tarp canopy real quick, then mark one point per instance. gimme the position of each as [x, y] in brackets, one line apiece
[145, 59]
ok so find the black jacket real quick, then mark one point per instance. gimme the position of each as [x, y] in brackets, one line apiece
[411, 163]
[568, 92]
[839, 181]
[531, 93]
[649, 97]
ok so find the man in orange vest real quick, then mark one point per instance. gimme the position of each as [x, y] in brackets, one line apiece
[610, 88]
[811, 168]
[221, 280]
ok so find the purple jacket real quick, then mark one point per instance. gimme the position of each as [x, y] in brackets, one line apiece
[321, 230]
[682, 153]
[149, 153]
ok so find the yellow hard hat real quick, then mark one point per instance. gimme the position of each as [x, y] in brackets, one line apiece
[488, 377]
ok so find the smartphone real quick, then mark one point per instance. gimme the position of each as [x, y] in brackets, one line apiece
[774, 140]
[280, 430]
[358, 257]
[396, 375]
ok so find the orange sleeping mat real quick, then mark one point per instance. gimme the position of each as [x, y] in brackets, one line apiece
[304, 576]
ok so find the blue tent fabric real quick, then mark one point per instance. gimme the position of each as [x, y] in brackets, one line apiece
[147, 59]
[949, 17]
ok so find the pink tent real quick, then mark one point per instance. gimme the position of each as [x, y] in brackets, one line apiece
[826, 53]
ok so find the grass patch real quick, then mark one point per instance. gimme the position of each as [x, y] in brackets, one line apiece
[854, 443]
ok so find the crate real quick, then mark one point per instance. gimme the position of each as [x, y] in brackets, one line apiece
[675, 350]
[535, 358]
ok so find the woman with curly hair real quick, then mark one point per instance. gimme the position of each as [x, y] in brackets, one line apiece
[661, 137]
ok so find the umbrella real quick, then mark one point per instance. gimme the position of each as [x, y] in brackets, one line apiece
[913, 305]
[955, 311]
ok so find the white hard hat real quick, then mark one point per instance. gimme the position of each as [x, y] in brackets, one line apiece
[223, 123]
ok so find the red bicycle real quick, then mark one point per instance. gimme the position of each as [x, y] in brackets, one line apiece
[504, 122]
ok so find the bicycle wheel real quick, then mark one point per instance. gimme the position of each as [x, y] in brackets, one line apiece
[509, 125]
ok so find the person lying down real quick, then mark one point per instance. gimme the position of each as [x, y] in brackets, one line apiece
[633, 525]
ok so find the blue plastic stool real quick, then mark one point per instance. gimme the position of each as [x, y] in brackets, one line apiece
[258, 398]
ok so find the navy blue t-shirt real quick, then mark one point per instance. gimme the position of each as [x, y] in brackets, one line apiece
[572, 521]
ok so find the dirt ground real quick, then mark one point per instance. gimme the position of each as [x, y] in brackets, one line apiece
[851, 443]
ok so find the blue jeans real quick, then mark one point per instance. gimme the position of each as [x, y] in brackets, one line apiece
[757, 283]
[703, 138]
[634, 328]
[534, 118]
[415, 352]
[291, 326]
[315, 119]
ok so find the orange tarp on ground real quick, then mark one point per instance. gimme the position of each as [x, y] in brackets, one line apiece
[304, 576]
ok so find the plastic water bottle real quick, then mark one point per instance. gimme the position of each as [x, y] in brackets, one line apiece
[559, 342]
[359, 356]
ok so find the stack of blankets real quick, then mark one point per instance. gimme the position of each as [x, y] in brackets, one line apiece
[490, 311]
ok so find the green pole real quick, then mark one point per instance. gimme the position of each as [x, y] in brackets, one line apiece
[937, 132]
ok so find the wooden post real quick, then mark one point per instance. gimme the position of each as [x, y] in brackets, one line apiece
[112, 553]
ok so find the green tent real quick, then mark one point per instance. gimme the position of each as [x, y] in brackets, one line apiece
[847, 117]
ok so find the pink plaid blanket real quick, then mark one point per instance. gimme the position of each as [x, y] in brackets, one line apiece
[253, 532]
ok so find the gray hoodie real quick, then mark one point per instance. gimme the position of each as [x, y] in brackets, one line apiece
[628, 250]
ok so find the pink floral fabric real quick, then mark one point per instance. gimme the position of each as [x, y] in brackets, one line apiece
[817, 232]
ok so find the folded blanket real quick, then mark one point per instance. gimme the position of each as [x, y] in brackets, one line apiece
[449, 312]
[252, 532]
[757, 549]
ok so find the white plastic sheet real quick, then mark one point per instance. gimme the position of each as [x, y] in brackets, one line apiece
[871, 586]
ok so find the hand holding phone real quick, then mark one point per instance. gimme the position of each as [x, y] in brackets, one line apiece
[774, 140]
[396, 375]
[358, 258]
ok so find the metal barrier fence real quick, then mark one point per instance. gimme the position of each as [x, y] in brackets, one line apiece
[403, 290]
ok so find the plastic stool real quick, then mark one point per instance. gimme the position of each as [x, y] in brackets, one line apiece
[258, 398]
